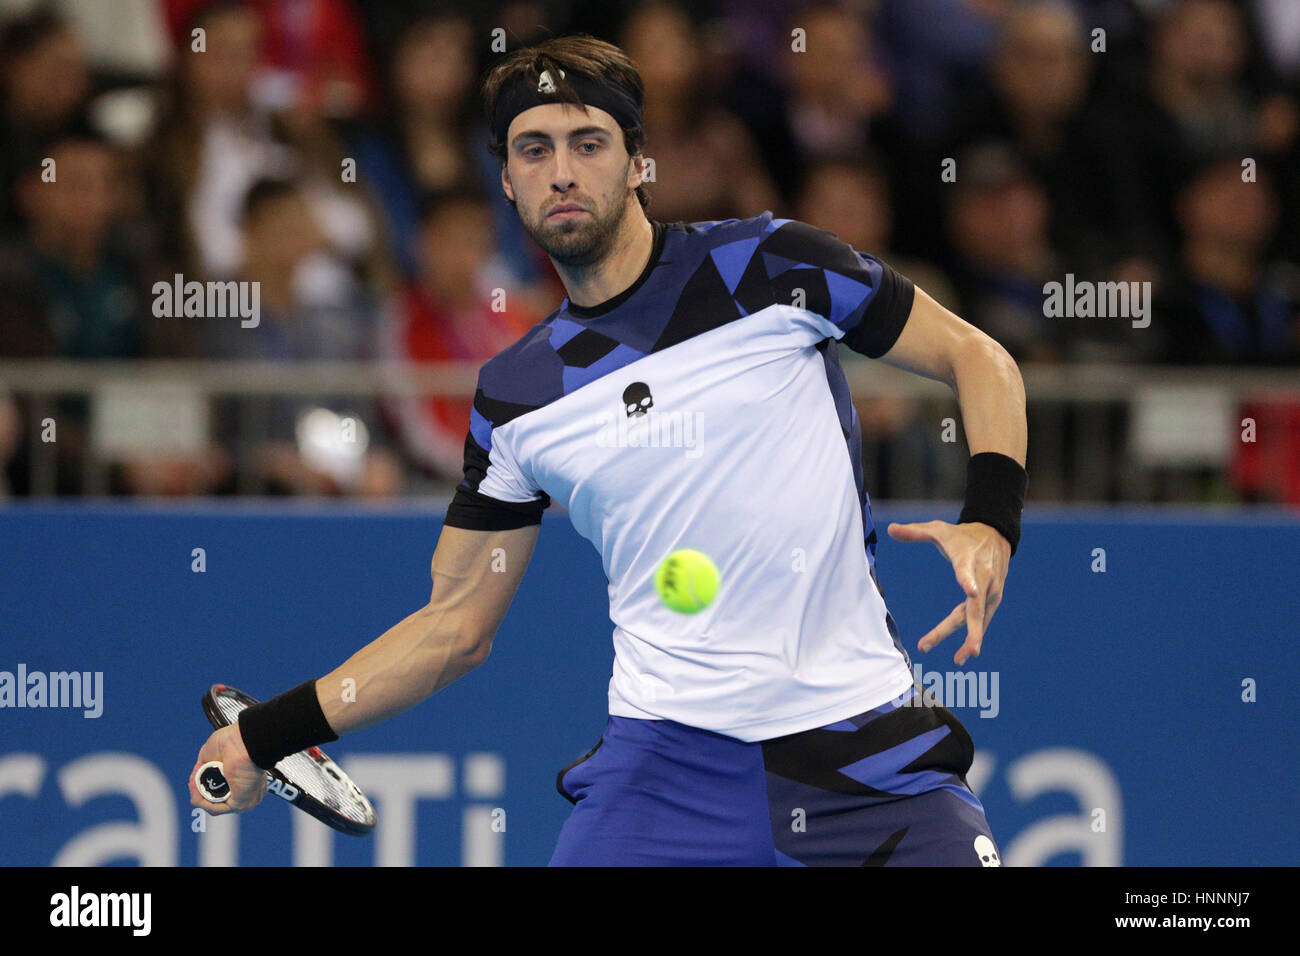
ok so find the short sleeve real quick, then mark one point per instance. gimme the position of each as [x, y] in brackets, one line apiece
[495, 493]
[844, 294]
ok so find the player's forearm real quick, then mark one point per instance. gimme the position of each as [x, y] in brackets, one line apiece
[991, 395]
[416, 657]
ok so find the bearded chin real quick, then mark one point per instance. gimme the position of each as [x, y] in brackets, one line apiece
[579, 242]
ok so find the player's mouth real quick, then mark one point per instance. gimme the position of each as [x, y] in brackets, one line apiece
[566, 210]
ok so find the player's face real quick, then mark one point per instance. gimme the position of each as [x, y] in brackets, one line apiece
[571, 179]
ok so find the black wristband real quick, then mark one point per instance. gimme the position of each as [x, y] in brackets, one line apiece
[995, 493]
[284, 725]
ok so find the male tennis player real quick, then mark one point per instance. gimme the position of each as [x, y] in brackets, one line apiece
[774, 726]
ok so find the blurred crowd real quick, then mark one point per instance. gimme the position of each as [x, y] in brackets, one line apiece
[334, 152]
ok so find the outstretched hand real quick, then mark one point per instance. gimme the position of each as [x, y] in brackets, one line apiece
[980, 557]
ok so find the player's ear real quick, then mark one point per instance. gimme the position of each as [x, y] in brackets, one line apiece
[636, 171]
[505, 184]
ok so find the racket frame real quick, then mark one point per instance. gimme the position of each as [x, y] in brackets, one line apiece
[281, 785]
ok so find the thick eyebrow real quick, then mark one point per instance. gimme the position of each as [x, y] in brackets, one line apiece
[536, 134]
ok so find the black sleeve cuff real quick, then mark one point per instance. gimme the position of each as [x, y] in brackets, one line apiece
[886, 315]
[478, 512]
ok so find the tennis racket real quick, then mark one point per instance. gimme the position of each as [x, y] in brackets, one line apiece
[309, 780]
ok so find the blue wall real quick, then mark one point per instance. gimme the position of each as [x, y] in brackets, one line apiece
[1121, 734]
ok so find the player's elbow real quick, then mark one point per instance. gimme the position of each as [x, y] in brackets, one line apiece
[983, 355]
[473, 641]
[477, 649]
[449, 635]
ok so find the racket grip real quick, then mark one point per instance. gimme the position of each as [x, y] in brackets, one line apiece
[211, 782]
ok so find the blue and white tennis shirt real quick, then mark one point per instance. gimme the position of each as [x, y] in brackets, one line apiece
[704, 407]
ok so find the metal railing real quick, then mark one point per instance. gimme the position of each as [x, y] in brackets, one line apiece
[1090, 426]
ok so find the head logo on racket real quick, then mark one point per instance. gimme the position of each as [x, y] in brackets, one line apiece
[212, 783]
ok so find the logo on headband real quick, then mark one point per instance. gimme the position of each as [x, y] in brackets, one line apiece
[545, 83]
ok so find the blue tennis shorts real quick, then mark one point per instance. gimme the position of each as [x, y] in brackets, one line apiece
[884, 788]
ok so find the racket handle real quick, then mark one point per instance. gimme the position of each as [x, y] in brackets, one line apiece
[211, 782]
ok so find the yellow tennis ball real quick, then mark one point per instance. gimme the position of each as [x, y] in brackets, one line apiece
[687, 581]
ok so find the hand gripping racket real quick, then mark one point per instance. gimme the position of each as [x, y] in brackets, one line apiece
[309, 780]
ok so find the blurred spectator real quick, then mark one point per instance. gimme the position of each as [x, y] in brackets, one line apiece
[73, 289]
[1198, 76]
[46, 80]
[938, 48]
[313, 60]
[997, 227]
[756, 30]
[706, 165]
[840, 99]
[76, 289]
[837, 90]
[279, 234]
[752, 87]
[1229, 305]
[457, 310]
[1003, 257]
[1196, 105]
[807, 82]
[1275, 28]
[1038, 100]
[424, 142]
[216, 141]
[432, 138]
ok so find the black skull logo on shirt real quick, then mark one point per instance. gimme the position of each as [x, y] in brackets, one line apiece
[637, 399]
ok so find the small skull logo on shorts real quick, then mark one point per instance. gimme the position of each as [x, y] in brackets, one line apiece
[637, 399]
[988, 853]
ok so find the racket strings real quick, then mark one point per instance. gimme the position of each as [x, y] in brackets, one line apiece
[323, 781]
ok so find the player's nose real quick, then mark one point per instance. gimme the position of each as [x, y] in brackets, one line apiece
[562, 173]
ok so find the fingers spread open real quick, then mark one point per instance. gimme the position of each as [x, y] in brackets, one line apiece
[954, 620]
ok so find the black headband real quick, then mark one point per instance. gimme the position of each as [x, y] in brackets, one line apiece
[524, 94]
